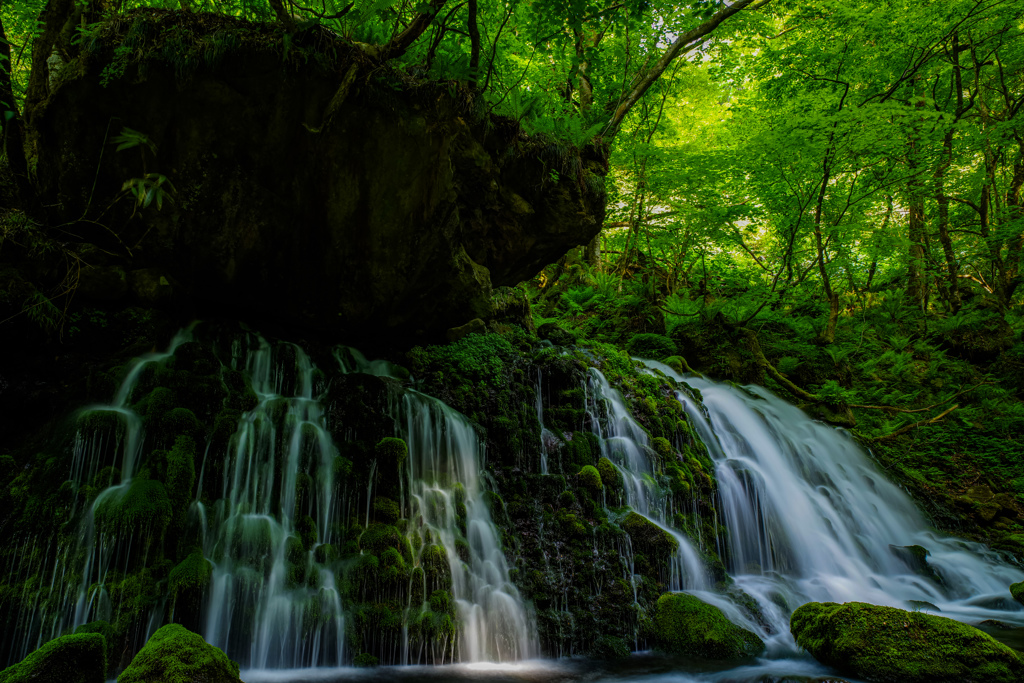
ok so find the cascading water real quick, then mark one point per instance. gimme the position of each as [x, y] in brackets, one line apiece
[448, 507]
[810, 518]
[626, 444]
[262, 607]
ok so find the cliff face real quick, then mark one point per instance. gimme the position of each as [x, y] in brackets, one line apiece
[297, 179]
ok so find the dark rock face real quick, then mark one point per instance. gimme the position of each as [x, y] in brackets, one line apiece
[305, 183]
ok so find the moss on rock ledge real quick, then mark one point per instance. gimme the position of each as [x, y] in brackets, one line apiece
[78, 658]
[176, 655]
[1017, 591]
[685, 625]
[889, 645]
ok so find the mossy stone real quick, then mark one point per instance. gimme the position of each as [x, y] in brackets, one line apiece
[1017, 591]
[176, 655]
[190, 575]
[683, 624]
[378, 537]
[590, 479]
[610, 475]
[889, 645]
[143, 505]
[385, 510]
[662, 447]
[76, 658]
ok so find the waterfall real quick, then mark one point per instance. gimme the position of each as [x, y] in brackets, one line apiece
[447, 499]
[626, 444]
[262, 608]
[810, 518]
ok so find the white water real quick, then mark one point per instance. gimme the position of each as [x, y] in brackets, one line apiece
[626, 444]
[445, 468]
[256, 611]
[810, 518]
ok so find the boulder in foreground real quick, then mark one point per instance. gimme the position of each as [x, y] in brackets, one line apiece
[889, 645]
[176, 655]
[78, 658]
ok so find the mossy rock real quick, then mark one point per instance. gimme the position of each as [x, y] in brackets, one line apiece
[144, 504]
[191, 575]
[889, 645]
[610, 475]
[610, 647]
[385, 510]
[590, 479]
[176, 655]
[653, 346]
[662, 447]
[648, 537]
[76, 658]
[1017, 591]
[686, 625]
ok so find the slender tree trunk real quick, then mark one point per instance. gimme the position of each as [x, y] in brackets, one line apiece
[13, 137]
[829, 334]
[951, 286]
[474, 43]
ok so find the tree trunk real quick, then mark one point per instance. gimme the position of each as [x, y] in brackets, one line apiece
[13, 138]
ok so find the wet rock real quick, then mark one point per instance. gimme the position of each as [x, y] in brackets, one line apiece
[916, 558]
[889, 645]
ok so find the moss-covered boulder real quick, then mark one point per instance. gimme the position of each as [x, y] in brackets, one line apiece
[1017, 591]
[684, 624]
[889, 645]
[77, 658]
[590, 479]
[654, 346]
[176, 655]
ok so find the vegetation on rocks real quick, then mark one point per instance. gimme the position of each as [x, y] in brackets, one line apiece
[176, 655]
[683, 624]
[78, 658]
[889, 645]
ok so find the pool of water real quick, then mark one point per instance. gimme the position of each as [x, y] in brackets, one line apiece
[643, 667]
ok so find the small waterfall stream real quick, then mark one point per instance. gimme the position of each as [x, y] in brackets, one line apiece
[810, 518]
[626, 444]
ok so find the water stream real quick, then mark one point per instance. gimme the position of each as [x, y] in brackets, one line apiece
[809, 517]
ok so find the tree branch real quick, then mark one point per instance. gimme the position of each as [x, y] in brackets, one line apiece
[398, 45]
[683, 44]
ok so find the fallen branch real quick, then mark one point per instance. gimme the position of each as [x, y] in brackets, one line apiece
[907, 428]
[894, 409]
[755, 348]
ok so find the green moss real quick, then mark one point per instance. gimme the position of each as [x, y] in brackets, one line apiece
[378, 537]
[610, 647]
[365, 659]
[385, 510]
[190, 575]
[662, 447]
[653, 346]
[181, 477]
[1017, 591]
[610, 475]
[648, 537]
[144, 504]
[590, 479]
[889, 645]
[391, 454]
[77, 658]
[684, 624]
[176, 655]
